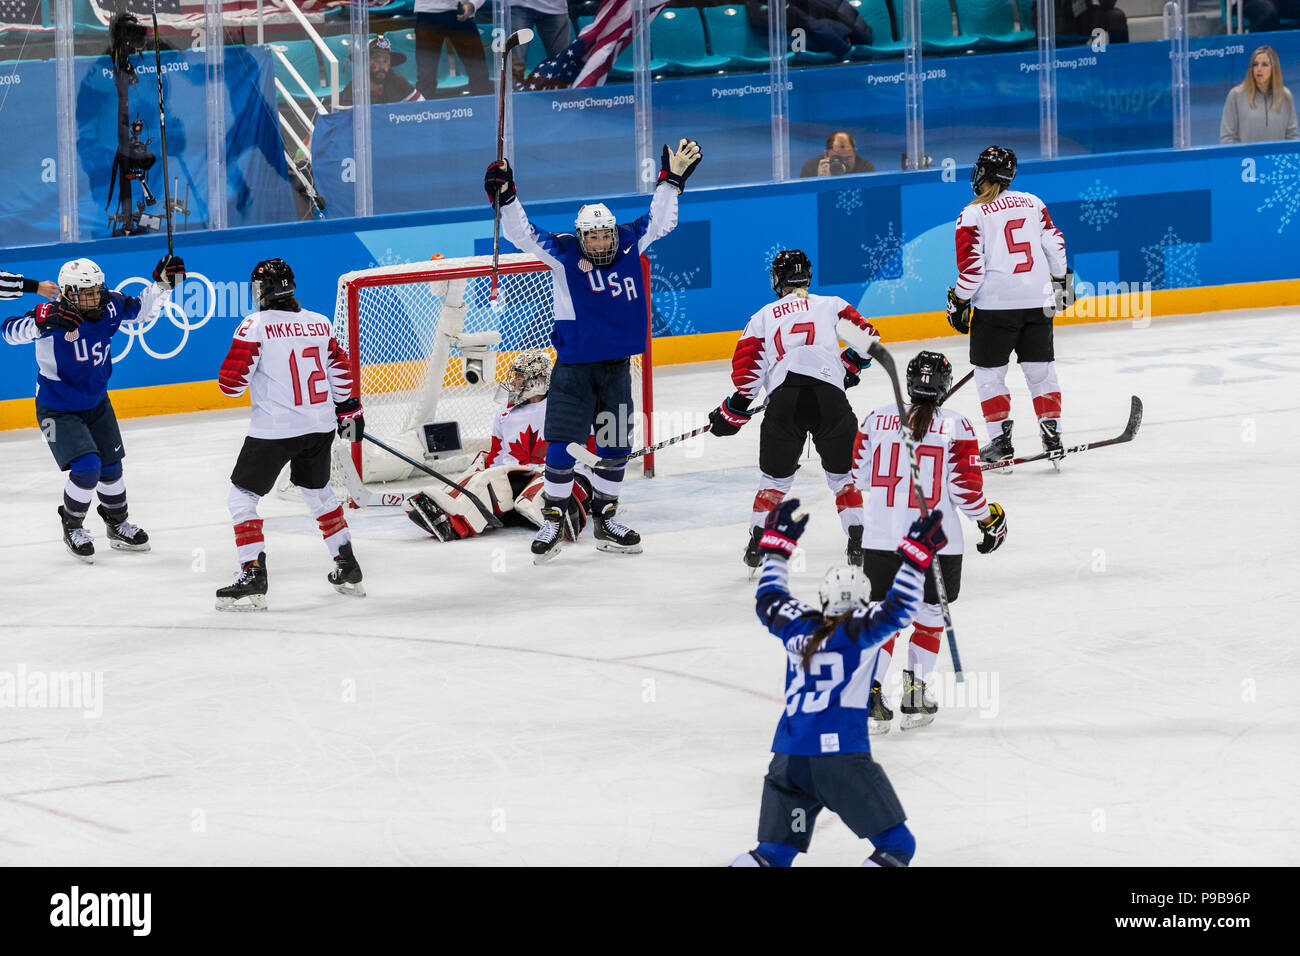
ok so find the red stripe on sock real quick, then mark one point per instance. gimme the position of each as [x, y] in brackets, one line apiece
[1048, 406]
[767, 499]
[248, 532]
[332, 523]
[888, 646]
[849, 497]
[926, 638]
[996, 408]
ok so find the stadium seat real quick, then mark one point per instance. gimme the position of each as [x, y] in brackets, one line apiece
[883, 44]
[993, 21]
[83, 19]
[731, 37]
[301, 55]
[937, 34]
[677, 36]
[341, 46]
[403, 42]
[397, 8]
[622, 68]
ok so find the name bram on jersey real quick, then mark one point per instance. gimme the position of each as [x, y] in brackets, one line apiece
[785, 308]
[596, 279]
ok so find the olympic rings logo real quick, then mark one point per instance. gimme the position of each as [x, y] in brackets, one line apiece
[175, 313]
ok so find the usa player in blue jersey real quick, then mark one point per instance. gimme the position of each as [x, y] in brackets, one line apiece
[74, 360]
[600, 298]
[821, 755]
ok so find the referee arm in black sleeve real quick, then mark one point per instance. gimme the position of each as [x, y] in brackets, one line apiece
[12, 286]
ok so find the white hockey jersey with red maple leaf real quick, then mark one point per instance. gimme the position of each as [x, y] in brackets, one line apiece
[951, 480]
[517, 436]
[798, 334]
[294, 368]
[1007, 252]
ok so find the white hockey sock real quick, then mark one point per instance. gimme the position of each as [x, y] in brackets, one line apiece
[995, 397]
[883, 657]
[848, 499]
[327, 511]
[248, 526]
[771, 492]
[1045, 389]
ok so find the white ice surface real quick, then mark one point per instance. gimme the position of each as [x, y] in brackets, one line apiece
[605, 709]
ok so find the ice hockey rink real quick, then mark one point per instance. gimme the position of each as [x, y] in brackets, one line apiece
[1130, 652]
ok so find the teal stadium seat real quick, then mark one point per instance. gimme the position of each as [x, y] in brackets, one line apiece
[731, 37]
[341, 47]
[937, 34]
[84, 21]
[993, 21]
[301, 55]
[403, 42]
[678, 37]
[622, 68]
[883, 44]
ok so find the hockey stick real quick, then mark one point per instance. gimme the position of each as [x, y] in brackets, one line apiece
[492, 520]
[162, 133]
[886, 361]
[1128, 434]
[519, 36]
[965, 378]
[588, 458]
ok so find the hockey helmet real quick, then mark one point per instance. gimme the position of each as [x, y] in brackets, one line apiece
[844, 588]
[81, 285]
[790, 270]
[272, 279]
[528, 377]
[929, 376]
[997, 164]
[596, 223]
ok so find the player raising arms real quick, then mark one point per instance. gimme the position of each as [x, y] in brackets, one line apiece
[302, 391]
[791, 349]
[947, 454]
[73, 337]
[509, 475]
[1011, 267]
[821, 755]
[600, 298]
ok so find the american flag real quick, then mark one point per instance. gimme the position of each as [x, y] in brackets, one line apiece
[587, 60]
[187, 14]
[22, 15]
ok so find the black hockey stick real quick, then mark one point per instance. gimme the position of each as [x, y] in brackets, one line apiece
[580, 452]
[515, 39]
[492, 520]
[1128, 434]
[878, 352]
[162, 134]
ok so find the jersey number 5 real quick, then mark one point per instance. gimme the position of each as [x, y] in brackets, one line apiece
[315, 395]
[807, 329]
[1018, 248]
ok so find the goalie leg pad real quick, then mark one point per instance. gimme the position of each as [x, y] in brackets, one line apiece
[448, 514]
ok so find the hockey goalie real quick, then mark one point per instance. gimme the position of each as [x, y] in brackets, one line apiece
[509, 476]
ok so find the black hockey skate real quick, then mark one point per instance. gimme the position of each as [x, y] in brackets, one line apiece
[122, 534]
[346, 576]
[1048, 431]
[611, 534]
[550, 536]
[853, 552]
[248, 593]
[753, 560]
[879, 715]
[999, 449]
[76, 538]
[918, 709]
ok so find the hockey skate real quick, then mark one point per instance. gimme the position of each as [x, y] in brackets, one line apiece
[753, 560]
[879, 716]
[346, 576]
[1055, 451]
[610, 534]
[917, 706]
[76, 538]
[550, 537]
[248, 592]
[853, 551]
[123, 535]
[999, 449]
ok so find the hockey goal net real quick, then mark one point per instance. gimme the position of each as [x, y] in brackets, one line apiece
[413, 332]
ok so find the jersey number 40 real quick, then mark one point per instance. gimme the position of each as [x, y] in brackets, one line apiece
[928, 457]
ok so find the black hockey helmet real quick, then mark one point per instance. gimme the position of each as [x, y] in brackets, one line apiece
[791, 269]
[929, 376]
[997, 164]
[272, 279]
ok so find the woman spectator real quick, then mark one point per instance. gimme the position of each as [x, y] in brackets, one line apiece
[1260, 109]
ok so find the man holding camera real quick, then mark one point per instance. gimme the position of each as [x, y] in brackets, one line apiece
[840, 157]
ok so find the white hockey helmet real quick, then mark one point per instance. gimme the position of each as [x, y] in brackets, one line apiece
[81, 285]
[596, 222]
[529, 376]
[843, 588]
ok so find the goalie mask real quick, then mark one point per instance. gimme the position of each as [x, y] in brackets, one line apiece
[597, 233]
[81, 285]
[272, 279]
[844, 588]
[529, 376]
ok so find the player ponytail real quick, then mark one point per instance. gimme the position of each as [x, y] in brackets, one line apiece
[987, 194]
[919, 417]
[819, 637]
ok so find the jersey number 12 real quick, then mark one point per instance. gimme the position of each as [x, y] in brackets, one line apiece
[314, 396]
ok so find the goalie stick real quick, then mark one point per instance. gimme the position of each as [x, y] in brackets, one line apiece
[591, 460]
[1128, 434]
[878, 352]
[492, 520]
[515, 39]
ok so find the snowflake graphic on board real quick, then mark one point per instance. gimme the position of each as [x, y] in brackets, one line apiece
[891, 265]
[1171, 263]
[668, 301]
[849, 201]
[1098, 207]
[768, 256]
[1284, 179]
[389, 258]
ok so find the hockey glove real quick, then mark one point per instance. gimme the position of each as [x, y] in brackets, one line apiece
[1063, 290]
[923, 541]
[958, 312]
[994, 528]
[781, 530]
[676, 168]
[854, 366]
[499, 181]
[58, 315]
[351, 422]
[728, 417]
[169, 272]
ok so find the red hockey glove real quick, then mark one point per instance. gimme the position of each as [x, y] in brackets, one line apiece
[730, 416]
[923, 541]
[854, 366]
[58, 315]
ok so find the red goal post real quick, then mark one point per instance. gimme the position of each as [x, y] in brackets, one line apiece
[413, 331]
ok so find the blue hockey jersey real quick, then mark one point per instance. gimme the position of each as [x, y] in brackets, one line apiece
[73, 376]
[601, 313]
[826, 708]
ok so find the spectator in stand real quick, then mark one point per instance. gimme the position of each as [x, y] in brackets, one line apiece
[1259, 109]
[549, 19]
[840, 157]
[386, 85]
[1264, 15]
[448, 21]
[830, 26]
[1078, 18]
